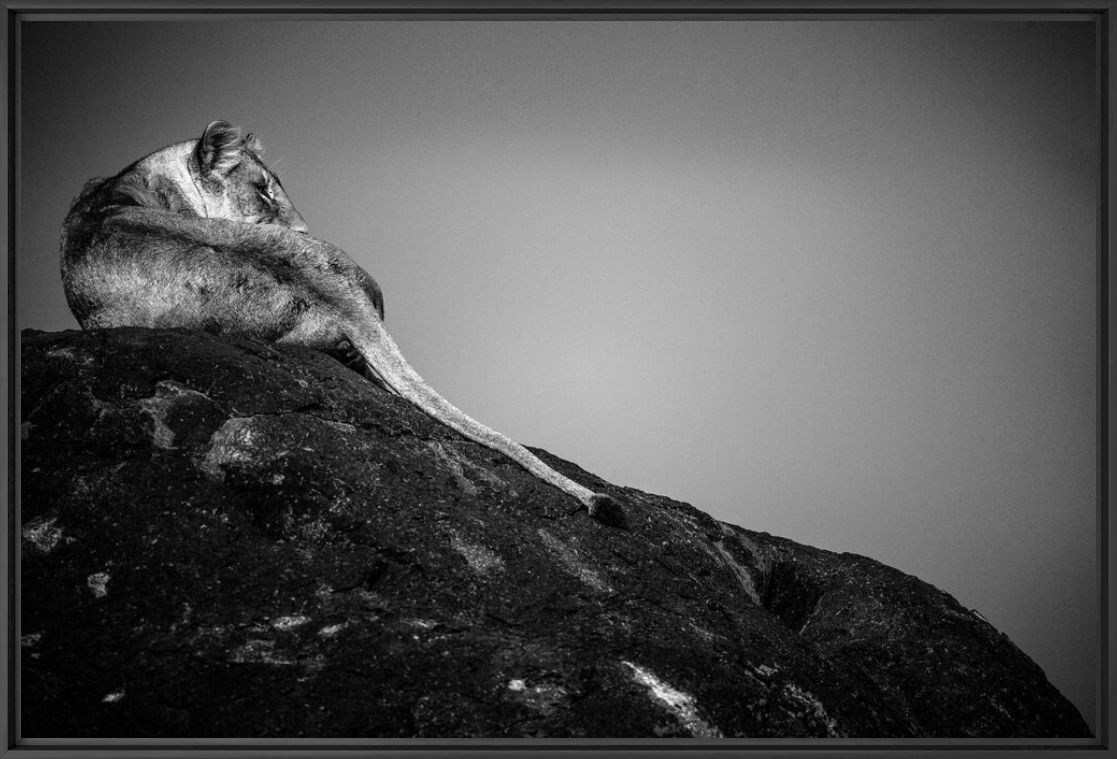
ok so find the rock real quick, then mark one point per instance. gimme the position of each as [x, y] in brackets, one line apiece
[222, 538]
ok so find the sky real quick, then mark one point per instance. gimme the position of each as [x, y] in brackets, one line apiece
[829, 279]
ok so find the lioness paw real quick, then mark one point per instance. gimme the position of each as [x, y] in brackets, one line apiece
[607, 510]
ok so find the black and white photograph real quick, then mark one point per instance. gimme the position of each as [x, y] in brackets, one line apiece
[520, 379]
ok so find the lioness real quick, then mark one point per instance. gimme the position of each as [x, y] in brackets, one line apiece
[202, 235]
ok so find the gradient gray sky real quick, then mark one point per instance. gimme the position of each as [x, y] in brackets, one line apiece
[832, 280]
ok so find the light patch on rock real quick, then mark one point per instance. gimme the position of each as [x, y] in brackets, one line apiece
[684, 520]
[71, 354]
[455, 467]
[479, 558]
[30, 640]
[479, 471]
[749, 544]
[680, 704]
[543, 697]
[168, 395]
[310, 532]
[112, 698]
[211, 632]
[262, 651]
[98, 582]
[702, 632]
[458, 463]
[1000, 708]
[289, 623]
[331, 631]
[422, 624]
[42, 533]
[741, 573]
[765, 670]
[573, 565]
[156, 407]
[814, 707]
[812, 615]
[232, 443]
[258, 651]
[373, 602]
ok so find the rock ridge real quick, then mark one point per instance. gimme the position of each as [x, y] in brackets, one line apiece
[221, 538]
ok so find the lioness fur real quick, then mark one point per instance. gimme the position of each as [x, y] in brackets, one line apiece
[202, 235]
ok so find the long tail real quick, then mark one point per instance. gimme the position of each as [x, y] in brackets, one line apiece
[384, 359]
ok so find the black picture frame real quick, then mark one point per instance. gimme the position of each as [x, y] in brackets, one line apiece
[17, 11]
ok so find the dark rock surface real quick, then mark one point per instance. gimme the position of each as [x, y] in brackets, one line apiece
[224, 539]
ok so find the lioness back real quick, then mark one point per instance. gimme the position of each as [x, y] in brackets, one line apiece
[126, 238]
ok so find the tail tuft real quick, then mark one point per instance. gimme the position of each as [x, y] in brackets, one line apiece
[607, 510]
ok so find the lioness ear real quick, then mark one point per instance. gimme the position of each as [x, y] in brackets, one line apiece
[219, 150]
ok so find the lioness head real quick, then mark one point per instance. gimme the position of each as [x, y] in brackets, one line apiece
[235, 184]
[219, 176]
